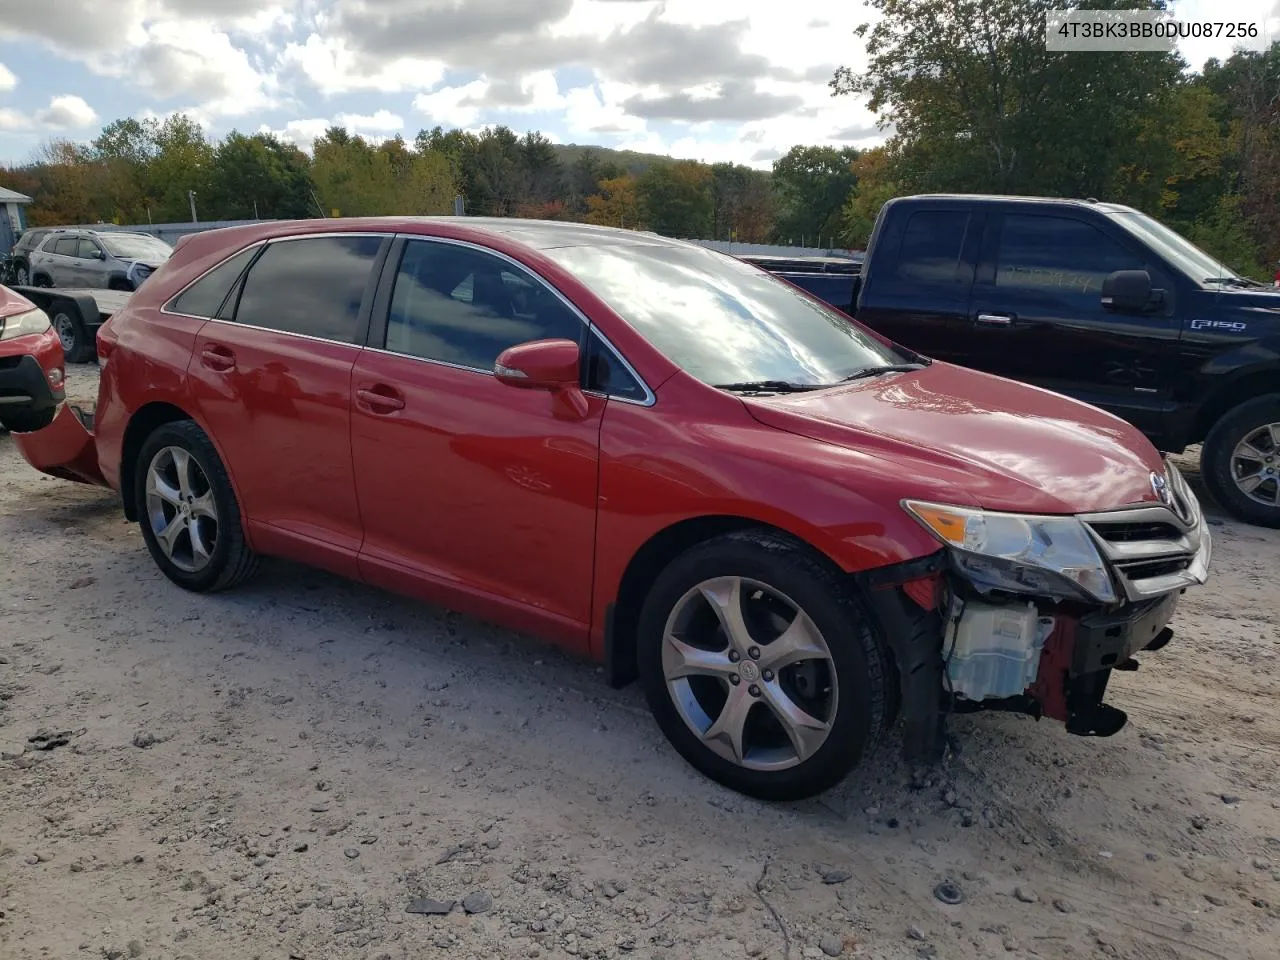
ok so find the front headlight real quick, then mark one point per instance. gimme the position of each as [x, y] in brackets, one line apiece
[1042, 555]
[22, 324]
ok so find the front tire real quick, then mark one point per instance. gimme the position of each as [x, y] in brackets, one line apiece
[21, 277]
[188, 512]
[1240, 461]
[761, 666]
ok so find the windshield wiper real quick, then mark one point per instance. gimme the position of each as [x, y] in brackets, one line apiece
[887, 368]
[1235, 281]
[769, 386]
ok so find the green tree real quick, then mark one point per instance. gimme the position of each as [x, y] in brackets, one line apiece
[258, 176]
[676, 200]
[813, 184]
[183, 162]
[617, 204]
[874, 170]
[978, 103]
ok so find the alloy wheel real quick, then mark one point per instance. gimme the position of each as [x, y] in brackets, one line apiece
[1255, 465]
[181, 509]
[750, 673]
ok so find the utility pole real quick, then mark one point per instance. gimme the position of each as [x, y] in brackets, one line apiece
[191, 195]
[255, 209]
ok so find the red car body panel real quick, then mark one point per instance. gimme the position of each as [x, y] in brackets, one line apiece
[496, 501]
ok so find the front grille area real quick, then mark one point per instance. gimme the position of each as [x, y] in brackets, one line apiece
[1154, 550]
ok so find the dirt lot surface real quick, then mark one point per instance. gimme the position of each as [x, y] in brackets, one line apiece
[291, 769]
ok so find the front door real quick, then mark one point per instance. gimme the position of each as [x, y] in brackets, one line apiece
[272, 383]
[473, 493]
[1038, 316]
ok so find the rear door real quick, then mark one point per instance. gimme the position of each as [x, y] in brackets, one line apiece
[917, 291]
[271, 378]
[60, 261]
[1038, 314]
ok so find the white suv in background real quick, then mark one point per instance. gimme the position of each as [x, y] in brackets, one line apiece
[97, 258]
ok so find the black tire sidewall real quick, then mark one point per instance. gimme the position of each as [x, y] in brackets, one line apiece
[844, 625]
[1216, 455]
[188, 436]
[78, 349]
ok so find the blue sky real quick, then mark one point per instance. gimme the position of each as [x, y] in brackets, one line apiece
[739, 80]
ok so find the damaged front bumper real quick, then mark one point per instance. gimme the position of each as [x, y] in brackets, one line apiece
[962, 646]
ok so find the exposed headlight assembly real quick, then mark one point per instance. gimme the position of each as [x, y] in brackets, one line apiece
[1019, 553]
[23, 324]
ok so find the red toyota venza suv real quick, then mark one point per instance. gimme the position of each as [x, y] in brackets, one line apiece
[792, 531]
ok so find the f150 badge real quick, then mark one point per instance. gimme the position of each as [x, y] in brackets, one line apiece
[1234, 326]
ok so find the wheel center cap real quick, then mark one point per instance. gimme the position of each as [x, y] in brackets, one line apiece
[748, 671]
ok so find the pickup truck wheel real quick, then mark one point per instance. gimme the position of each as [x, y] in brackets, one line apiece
[188, 511]
[761, 667]
[1241, 461]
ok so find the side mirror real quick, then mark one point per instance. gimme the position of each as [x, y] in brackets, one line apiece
[1127, 290]
[551, 365]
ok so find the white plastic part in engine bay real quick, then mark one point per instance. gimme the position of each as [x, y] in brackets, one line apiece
[992, 652]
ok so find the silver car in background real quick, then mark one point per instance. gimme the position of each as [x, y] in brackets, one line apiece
[105, 259]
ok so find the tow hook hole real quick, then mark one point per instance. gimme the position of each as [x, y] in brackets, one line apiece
[1114, 631]
[1109, 659]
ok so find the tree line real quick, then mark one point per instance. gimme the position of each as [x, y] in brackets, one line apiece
[973, 101]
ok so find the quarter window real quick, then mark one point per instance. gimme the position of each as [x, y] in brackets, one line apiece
[464, 306]
[312, 286]
[205, 296]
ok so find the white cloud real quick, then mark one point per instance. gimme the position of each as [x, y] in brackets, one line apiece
[7, 80]
[65, 112]
[301, 133]
[452, 106]
[383, 121]
[333, 68]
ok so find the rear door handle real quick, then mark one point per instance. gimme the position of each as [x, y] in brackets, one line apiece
[995, 319]
[217, 358]
[380, 398]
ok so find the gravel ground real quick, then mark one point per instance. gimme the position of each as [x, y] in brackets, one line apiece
[310, 768]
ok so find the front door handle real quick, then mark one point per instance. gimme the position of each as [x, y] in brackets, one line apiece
[380, 398]
[218, 358]
[995, 319]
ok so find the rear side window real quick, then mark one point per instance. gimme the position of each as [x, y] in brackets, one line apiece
[932, 247]
[312, 286]
[63, 246]
[205, 296]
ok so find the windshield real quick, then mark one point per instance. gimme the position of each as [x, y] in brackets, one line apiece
[722, 320]
[1174, 247]
[135, 248]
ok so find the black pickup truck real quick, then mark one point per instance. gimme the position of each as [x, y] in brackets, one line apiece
[1093, 300]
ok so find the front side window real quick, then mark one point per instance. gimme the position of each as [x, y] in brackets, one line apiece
[86, 249]
[722, 320]
[463, 306]
[312, 286]
[1058, 257]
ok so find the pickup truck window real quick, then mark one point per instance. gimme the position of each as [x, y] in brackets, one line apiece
[931, 247]
[1174, 247]
[722, 320]
[1058, 257]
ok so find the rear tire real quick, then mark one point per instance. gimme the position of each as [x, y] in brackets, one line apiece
[188, 511]
[41, 280]
[21, 277]
[1240, 461]
[688, 662]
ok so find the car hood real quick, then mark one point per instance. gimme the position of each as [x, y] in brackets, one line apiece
[1004, 445]
[13, 303]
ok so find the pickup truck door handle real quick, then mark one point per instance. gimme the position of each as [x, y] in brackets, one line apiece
[995, 320]
[217, 357]
[380, 398]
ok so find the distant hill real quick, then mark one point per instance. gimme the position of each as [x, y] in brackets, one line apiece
[633, 162]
